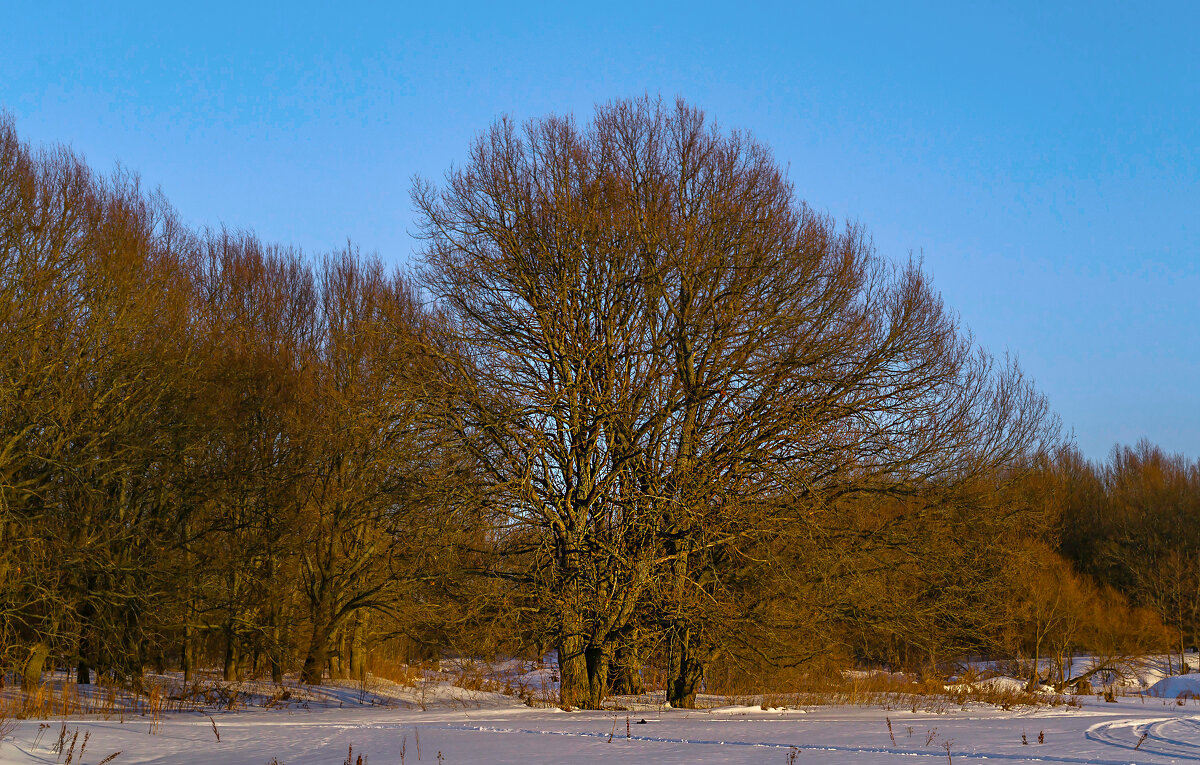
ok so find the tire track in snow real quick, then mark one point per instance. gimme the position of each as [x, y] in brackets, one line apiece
[939, 753]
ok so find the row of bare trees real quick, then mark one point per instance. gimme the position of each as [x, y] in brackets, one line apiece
[638, 404]
[208, 443]
[1131, 523]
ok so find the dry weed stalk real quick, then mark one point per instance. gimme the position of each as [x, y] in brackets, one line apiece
[71, 751]
[42, 728]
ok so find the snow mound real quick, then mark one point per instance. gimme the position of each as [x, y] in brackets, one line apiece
[1187, 686]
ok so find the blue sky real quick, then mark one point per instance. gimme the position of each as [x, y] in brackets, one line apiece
[1043, 159]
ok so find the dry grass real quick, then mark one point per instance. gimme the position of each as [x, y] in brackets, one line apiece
[406, 675]
[478, 676]
[105, 699]
[8, 722]
[893, 691]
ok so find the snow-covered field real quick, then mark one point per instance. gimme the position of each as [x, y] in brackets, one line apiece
[441, 723]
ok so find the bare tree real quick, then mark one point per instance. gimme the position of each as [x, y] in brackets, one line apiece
[378, 488]
[662, 344]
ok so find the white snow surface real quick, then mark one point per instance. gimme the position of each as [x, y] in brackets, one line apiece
[383, 722]
[1179, 686]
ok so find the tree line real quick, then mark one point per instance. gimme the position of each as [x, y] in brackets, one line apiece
[637, 404]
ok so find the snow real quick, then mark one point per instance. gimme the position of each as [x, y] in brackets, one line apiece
[385, 721]
[1180, 686]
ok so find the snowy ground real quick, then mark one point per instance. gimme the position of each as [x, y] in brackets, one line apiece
[387, 724]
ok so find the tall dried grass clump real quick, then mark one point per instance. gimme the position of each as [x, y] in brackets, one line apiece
[400, 673]
[106, 699]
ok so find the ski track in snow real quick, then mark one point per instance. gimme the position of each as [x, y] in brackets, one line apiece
[1163, 745]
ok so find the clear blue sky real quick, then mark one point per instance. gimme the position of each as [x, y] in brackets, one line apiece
[1043, 158]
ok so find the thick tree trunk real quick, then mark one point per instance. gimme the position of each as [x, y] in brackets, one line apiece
[626, 671]
[685, 672]
[231, 655]
[136, 680]
[573, 687]
[598, 659]
[318, 654]
[32, 676]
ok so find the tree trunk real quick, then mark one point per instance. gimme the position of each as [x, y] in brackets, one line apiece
[231, 655]
[685, 672]
[275, 650]
[358, 649]
[32, 676]
[318, 654]
[1183, 665]
[573, 686]
[83, 675]
[340, 658]
[189, 654]
[627, 677]
[598, 660]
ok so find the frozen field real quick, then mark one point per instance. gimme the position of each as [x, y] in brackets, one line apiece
[1097, 733]
[460, 726]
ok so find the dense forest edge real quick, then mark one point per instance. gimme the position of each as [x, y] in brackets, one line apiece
[636, 405]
